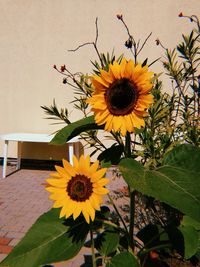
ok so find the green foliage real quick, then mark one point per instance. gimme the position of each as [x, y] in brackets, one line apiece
[74, 129]
[107, 242]
[161, 161]
[49, 240]
[55, 114]
[171, 183]
[123, 259]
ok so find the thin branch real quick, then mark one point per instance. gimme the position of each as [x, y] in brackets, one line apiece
[74, 50]
[145, 41]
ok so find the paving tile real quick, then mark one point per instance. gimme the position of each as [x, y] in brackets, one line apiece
[22, 200]
[14, 242]
[2, 256]
[5, 240]
[5, 249]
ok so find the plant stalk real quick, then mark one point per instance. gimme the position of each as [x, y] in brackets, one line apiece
[92, 247]
[132, 219]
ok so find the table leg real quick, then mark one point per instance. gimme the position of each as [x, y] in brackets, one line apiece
[71, 153]
[77, 149]
[19, 150]
[5, 156]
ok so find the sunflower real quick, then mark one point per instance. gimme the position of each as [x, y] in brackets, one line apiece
[78, 189]
[121, 96]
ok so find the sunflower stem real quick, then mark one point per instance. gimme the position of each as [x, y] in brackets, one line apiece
[92, 247]
[132, 219]
[132, 195]
[120, 217]
[128, 146]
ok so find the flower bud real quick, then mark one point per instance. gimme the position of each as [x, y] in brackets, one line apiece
[119, 16]
[62, 68]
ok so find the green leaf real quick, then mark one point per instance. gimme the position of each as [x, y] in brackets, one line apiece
[74, 129]
[112, 154]
[49, 240]
[189, 221]
[107, 242]
[184, 156]
[176, 184]
[123, 259]
[191, 240]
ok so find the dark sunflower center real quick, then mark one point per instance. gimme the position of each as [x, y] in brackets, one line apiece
[121, 97]
[79, 188]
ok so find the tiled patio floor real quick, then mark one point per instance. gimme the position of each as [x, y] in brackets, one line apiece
[22, 200]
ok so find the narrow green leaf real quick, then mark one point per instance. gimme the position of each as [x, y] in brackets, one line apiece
[123, 259]
[74, 129]
[49, 240]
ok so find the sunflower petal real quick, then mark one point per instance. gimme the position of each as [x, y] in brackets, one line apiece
[101, 190]
[98, 174]
[61, 183]
[115, 69]
[69, 168]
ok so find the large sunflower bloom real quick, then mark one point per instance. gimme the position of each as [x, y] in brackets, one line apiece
[78, 189]
[121, 96]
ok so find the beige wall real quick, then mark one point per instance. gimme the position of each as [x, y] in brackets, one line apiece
[35, 34]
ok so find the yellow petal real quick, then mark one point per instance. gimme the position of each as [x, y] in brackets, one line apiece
[123, 128]
[90, 209]
[94, 202]
[123, 67]
[117, 122]
[106, 76]
[62, 172]
[61, 183]
[59, 203]
[77, 212]
[63, 211]
[109, 123]
[129, 69]
[115, 69]
[101, 190]
[98, 174]
[75, 162]
[57, 196]
[68, 167]
[86, 215]
[94, 167]
[129, 124]
[101, 182]
[98, 79]
[71, 206]
[137, 121]
[53, 189]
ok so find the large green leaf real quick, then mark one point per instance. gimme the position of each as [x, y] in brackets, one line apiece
[49, 240]
[112, 154]
[107, 242]
[174, 183]
[123, 259]
[75, 129]
[191, 240]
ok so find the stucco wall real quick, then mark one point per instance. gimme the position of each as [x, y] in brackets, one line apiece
[36, 34]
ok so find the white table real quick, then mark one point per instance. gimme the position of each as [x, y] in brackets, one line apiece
[30, 137]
